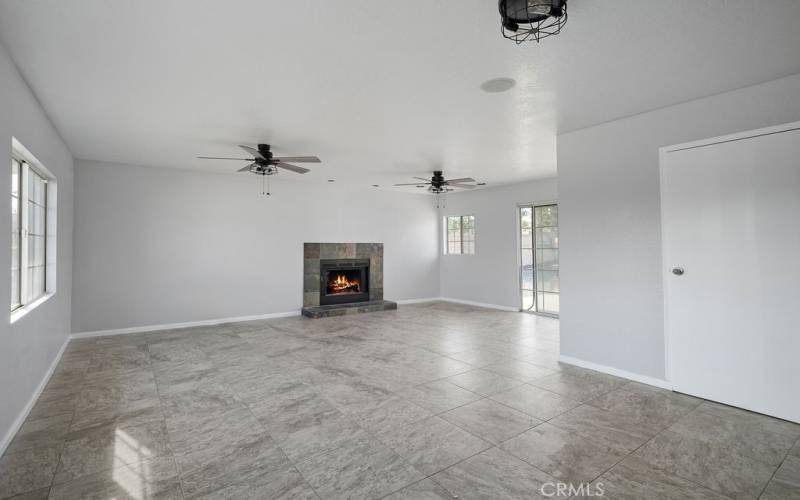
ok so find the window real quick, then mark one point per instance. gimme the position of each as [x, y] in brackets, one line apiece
[460, 235]
[31, 190]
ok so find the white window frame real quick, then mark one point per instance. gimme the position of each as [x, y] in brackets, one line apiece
[29, 163]
[445, 235]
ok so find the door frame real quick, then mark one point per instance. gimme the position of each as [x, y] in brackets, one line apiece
[666, 265]
[518, 239]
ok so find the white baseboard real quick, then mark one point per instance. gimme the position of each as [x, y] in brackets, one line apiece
[170, 326]
[12, 431]
[644, 379]
[418, 301]
[479, 304]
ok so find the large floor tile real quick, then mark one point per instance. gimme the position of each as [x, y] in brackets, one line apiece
[545, 359]
[281, 484]
[433, 444]
[384, 414]
[648, 408]
[41, 432]
[613, 431]
[198, 442]
[175, 351]
[439, 396]
[121, 415]
[108, 390]
[579, 384]
[28, 470]
[785, 485]
[490, 420]
[540, 403]
[715, 467]
[741, 437]
[260, 387]
[520, 370]
[243, 462]
[51, 405]
[483, 382]
[568, 457]
[203, 401]
[494, 474]
[154, 479]
[186, 375]
[300, 406]
[433, 369]
[115, 359]
[479, 357]
[633, 479]
[362, 468]
[422, 490]
[751, 419]
[95, 450]
[309, 426]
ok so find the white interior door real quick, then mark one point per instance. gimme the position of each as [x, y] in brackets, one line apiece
[731, 222]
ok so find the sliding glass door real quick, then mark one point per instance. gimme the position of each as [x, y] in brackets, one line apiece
[538, 270]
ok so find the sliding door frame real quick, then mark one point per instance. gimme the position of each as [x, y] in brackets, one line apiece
[518, 250]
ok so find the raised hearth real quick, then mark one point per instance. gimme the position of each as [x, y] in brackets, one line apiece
[351, 308]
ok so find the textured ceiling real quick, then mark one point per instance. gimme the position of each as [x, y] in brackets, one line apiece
[380, 90]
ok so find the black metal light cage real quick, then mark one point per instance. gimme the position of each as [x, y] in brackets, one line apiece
[523, 20]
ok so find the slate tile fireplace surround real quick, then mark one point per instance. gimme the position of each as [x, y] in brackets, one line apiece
[343, 278]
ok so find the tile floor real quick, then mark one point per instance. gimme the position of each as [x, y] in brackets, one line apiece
[431, 401]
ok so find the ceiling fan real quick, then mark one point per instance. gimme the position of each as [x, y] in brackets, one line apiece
[264, 163]
[438, 184]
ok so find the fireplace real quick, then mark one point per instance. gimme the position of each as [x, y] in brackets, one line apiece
[343, 281]
[343, 278]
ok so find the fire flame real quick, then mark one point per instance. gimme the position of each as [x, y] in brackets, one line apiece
[342, 284]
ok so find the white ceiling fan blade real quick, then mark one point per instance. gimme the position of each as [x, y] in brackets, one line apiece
[463, 186]
[247, 168]
[459, 181]
[253, 151]
[299, 159]
[293, 168]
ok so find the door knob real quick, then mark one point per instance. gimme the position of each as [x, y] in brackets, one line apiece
[678, 271]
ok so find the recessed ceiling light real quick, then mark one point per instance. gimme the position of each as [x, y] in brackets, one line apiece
[496, 85]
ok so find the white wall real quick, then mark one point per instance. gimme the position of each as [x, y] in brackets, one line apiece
[158, 246]
[29, 346]
[491, 276]
[611, 287]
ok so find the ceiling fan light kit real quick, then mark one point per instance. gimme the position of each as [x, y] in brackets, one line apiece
[524, 20]
[439, 185]
[264, 163]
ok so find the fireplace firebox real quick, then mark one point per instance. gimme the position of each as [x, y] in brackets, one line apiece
[343, 281]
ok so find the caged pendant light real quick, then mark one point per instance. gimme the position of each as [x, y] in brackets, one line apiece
[524, 20]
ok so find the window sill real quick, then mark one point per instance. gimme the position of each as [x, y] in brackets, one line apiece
[23, 311]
